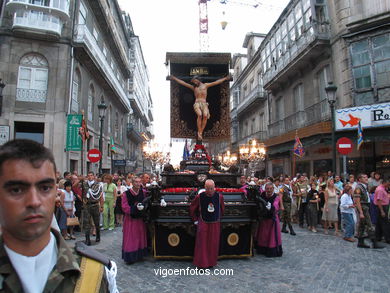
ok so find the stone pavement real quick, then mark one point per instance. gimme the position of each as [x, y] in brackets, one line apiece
[311, 262]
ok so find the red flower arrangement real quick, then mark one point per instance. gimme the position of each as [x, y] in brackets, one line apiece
[201, 147]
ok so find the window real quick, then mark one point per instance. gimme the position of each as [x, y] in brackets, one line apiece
[82, 13]
[323, 77]
[361, 64]
[95, 33]
[75, 92]
[91, 95]
[370, 60]
[109, 115]
[298, 103]
[104, 51]
[116, 124]
[262, 122]
[279, 109]
[32, 79]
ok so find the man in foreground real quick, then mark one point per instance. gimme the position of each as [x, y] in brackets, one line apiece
[33, 257]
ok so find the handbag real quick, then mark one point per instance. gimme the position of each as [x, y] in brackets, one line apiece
[72, 221]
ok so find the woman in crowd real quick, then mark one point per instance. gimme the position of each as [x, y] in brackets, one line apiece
[69, 200]
[60, 213]
[347, 209]
[110, 193]
[313, 206]
[120, 190]
[134, 246]
[330, 208]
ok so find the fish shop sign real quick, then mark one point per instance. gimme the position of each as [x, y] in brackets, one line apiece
[376, 115]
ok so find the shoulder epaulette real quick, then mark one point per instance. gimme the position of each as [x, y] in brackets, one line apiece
[86, 251]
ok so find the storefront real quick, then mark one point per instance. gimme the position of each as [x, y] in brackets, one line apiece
[374, 154]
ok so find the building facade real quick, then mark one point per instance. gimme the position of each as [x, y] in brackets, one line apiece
[312, 43]
[64, 57]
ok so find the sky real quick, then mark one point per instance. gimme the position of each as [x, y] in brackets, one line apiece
[173, 26]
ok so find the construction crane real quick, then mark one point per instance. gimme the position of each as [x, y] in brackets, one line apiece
[204, 20]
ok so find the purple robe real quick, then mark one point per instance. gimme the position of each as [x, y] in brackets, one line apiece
[134, 245]
[268, 237]
[207, 235]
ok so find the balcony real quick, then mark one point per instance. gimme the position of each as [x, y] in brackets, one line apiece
[33, 21]
[259, 136]
[276, 128]
[31, 95]
[307, 47]
[84, 37]
[58, 8]
[254, 97]
[311, 115]
[294, 121]
[134, 134]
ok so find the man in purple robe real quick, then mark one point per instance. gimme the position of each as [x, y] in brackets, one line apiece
[268, 237]
[134, 229]
[206, 211]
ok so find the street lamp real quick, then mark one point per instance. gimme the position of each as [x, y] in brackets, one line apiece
[330, 91]
[102, 113]
[2, 85]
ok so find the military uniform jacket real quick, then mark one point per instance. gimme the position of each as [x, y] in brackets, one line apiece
[62, 278]
[362, 192]
[286, 193]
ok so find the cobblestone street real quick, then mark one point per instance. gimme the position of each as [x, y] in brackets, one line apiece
[312, 262]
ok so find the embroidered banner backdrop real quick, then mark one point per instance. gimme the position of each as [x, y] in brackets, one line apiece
[183, 117]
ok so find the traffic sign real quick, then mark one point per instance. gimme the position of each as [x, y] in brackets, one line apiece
[94, 155]
[344, 145]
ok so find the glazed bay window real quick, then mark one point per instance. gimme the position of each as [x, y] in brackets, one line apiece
[370, 60]
[32, 79]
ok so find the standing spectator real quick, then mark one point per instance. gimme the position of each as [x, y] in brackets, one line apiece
[347, 209]
[120, 190]
[286, 213]
[338, 183]
[352, 181]
[330, 209]
[92, 196]
[362, 202]
[78, 203]
[110, 192]
[206, 211]
[375, 181]
[313, 200]
[268, 236]
[302, 199]
[69, 206]
[134, 245]
[321, 194]
[60, 213]
[145, 180]
[381, 200]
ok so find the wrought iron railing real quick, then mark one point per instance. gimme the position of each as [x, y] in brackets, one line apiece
[31, 95]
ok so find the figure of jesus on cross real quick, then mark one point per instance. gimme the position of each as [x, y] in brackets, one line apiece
[200, 105]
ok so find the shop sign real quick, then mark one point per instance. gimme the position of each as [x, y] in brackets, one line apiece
[377, 115]
[73, 139]
[4, 134]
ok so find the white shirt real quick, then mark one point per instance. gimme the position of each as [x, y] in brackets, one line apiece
[345, 202]
[33, 271]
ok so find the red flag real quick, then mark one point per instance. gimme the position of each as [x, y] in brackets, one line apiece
[298, 147]
[83, 131]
